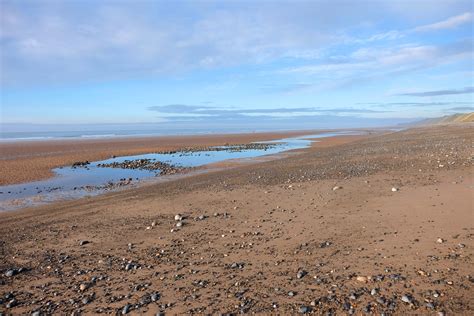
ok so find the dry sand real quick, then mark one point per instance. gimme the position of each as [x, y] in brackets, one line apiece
[363, 247]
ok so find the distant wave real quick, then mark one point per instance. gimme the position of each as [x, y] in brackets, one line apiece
[68, 135]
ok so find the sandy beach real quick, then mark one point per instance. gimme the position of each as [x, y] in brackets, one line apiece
[33, 160]
[375, 224]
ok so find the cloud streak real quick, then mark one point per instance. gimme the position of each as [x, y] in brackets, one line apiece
[449, 23]
[466, 90]
[178, 110]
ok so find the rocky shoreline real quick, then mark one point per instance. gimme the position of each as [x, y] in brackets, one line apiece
[162, 168]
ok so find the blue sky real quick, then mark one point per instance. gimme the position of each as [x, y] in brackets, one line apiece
[232, 62]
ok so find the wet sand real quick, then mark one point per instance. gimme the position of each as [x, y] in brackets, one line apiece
[320, 231]
[33, 160]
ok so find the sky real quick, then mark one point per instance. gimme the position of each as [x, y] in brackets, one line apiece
[234, 63]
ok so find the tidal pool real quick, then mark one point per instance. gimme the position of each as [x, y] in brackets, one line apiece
[92, 179]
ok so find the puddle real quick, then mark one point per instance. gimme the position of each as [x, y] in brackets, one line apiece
[93, 179]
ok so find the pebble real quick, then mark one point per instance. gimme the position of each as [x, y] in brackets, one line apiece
[407, 298]
[362, 279]
[304, 309]
[440, 240]
[179, 224]
[430, 305]
[83, 287]
[12, 303]
[10, 273]
[301, 274]
[291, 293]
[336, 188]
[126, 309]
[178, 217]
[394, 189]
[325, 244]
[155, 297]
[83, 242]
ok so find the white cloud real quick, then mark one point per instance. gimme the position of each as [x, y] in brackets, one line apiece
[450, 23]
[72, 41]
[374, 63]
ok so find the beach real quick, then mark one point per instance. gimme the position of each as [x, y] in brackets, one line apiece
[34, 160]
[375, 223]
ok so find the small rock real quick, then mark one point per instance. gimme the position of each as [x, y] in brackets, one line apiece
[304, 309]
[407, 298]
[430, 305]
[155, 297]
[179, 224]
[83, 242]
[10, 273]
[12, 303]
[301, 274]
[178, 217]
[126, 309]
[336, 188]
[394, 189]
[440, 240]
[325, 244]
[291, 293]
[362, 279]
[83, 287]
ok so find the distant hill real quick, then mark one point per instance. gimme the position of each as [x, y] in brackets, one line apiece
[448, 119]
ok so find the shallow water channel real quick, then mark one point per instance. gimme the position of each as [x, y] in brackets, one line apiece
[76, 182]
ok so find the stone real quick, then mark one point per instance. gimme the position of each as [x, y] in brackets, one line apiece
[10, 273]
[301, 274]
[394, 189]
[83, 287]
[336, 188]
[362, 279]
[440, 240]
[178, 217]
[12, 303]
[155, 296]
[179, 224]
[83, 242]
[407, 298]
[126, 309]
[304, 309]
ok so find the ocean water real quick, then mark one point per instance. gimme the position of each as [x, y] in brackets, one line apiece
[12, 136]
